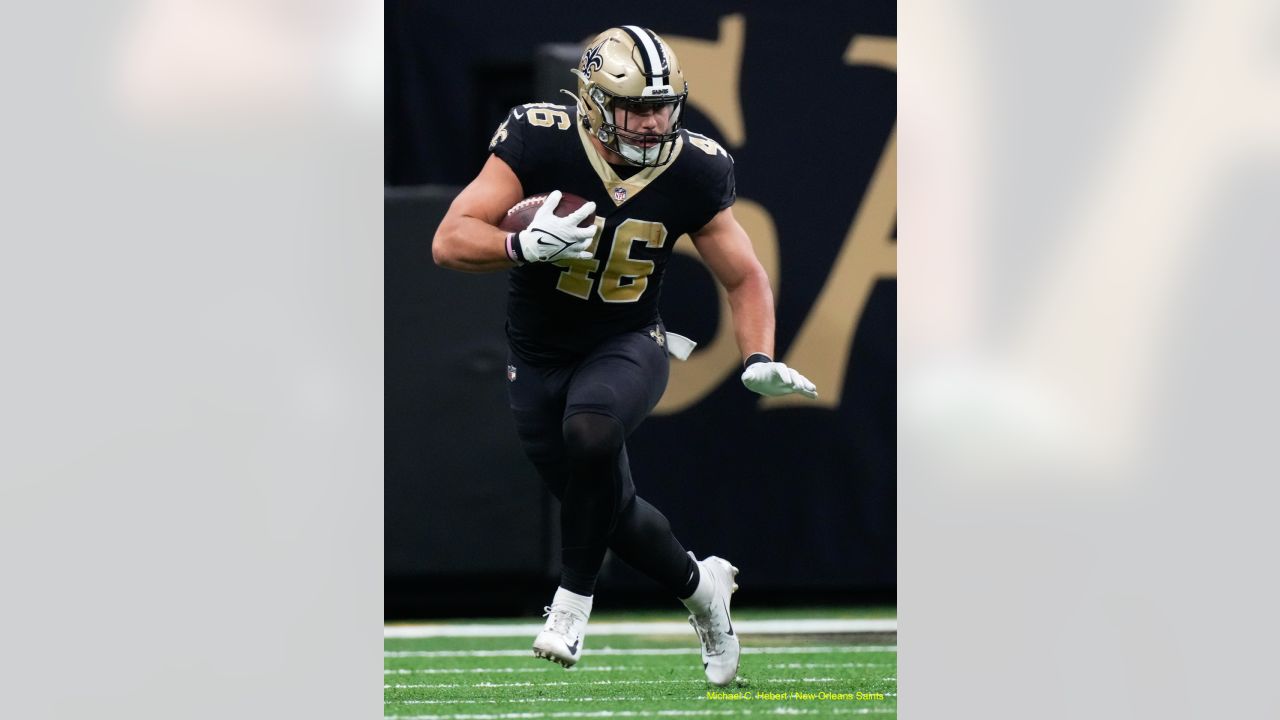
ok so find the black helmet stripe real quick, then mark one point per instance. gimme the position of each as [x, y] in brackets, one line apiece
[655, 65]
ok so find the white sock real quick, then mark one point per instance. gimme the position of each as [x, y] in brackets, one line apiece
[580, 604]
[702, 596]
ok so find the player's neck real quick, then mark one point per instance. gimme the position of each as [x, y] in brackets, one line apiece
[608, 155]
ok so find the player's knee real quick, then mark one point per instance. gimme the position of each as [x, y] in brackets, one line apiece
[592, 437]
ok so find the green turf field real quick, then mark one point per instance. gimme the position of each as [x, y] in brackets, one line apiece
[492, 678]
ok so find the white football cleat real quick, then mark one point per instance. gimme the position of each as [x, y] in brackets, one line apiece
[561, 639]
[710, 618]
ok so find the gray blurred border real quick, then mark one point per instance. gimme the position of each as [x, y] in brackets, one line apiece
[190, 488]
[1088, 229]
[191, 474]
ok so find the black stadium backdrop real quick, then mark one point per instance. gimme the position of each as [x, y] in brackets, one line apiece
[799, 494]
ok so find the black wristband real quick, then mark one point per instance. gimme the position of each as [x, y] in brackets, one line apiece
[754, 358]
[514, 251]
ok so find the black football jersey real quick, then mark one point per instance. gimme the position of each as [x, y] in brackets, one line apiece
[559, 311]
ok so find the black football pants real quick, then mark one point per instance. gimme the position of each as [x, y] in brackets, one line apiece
[573, 420]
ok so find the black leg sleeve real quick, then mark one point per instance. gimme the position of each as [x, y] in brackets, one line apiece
[590, 504]
[643, 539]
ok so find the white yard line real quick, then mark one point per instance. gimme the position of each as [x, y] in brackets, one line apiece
[614, 668]
[697, 681]
[544, 668]
[515, 700]
[825, 710]
[645, 651]
[746, 627]
[811, 666]
[458, 671]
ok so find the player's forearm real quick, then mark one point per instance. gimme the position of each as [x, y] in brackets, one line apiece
[470, 245]
[751, 302]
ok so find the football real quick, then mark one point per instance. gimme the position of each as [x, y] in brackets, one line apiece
[521, 214]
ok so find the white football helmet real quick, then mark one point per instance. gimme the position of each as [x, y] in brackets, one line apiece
[630, 70]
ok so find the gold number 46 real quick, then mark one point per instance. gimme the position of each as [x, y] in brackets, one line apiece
[624, 278]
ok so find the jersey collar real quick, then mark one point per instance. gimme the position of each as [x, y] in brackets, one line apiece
[616, 188]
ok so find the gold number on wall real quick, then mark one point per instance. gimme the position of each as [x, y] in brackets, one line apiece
[821, 349]
[869, 253]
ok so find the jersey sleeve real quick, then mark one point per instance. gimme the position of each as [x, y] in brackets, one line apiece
[728, 189]
[719, 192]
[509, 144]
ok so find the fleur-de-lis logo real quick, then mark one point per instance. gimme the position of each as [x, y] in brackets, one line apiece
[500, 135]
[592, 60]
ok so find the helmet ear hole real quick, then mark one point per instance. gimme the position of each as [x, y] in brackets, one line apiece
[598, 95]
[601, 100]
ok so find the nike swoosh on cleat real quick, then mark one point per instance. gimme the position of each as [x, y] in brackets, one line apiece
[726, 617]
[573, 649]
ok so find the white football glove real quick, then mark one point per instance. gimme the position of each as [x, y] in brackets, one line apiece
[775, 378]
[550, 237]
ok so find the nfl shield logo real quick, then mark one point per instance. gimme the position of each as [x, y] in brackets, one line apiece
[619, 194]
[511, 373]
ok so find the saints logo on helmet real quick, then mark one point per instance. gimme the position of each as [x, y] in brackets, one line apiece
[631, 94]
[591, 60]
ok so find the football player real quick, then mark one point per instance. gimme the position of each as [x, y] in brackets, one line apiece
[588, 350]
